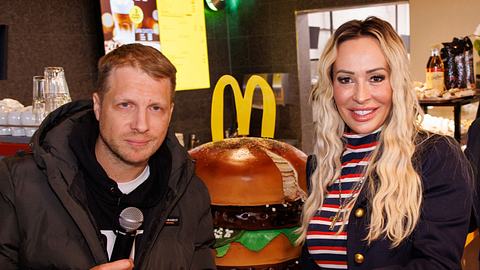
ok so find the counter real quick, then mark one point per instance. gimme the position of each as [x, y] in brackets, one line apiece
[10, 145]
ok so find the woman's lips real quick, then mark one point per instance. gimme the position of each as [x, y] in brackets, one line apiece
[363, 115]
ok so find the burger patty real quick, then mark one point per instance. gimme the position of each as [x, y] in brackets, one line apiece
[273, 216]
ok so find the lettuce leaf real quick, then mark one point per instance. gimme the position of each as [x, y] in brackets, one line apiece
[221, 251]
[254, 240]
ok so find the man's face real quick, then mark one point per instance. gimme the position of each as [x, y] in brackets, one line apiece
[133, 116]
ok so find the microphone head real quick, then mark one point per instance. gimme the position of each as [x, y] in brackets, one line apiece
[130, 219]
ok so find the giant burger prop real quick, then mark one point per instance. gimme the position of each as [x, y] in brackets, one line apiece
[257, 191]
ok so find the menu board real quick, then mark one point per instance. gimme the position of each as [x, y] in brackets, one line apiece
[176, 28]
[184, 41]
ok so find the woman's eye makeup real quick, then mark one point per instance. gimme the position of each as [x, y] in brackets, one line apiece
[377, 78]
[344, 79]
[372, 78]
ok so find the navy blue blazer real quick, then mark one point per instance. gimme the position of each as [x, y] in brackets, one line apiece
[439, 237]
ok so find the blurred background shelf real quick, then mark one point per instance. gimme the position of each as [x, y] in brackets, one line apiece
[437, 107]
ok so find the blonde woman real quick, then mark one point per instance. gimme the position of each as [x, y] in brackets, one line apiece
[384, 194]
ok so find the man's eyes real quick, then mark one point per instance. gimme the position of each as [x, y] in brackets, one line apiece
[128, 105]
[124, 105]
[156, 108]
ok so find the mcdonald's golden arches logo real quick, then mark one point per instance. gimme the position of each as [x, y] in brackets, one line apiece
[243, 106]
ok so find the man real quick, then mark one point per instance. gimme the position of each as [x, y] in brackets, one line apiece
[60, 205]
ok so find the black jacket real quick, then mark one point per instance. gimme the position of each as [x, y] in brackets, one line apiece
[45, 222]
[473, 154]
[439, 237]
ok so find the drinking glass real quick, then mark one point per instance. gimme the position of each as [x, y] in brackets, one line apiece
[124, 31]
[56, 88]
[38, 103]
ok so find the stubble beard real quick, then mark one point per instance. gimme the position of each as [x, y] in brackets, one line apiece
[116, 153]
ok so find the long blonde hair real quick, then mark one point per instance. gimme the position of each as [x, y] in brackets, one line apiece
[394, 185]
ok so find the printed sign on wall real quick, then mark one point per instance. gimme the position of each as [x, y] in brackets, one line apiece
[176, 28]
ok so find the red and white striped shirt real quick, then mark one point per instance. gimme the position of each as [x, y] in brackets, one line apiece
[327, 247]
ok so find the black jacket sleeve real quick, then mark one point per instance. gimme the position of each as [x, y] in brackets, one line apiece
[9, 240]
[473, 154]
[204, 239]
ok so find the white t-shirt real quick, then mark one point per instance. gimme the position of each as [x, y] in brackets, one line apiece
[130, 186]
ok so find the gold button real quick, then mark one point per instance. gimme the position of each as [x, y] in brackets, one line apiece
[359, 258]
[359, 212]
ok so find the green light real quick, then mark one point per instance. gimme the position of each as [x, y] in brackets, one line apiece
[233, 4]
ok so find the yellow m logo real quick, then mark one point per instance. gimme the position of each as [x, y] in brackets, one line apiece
[243, 105]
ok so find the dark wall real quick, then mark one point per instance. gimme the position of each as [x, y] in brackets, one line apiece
[50, 33]
[248, 36]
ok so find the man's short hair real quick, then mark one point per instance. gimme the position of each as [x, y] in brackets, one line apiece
[146, 58]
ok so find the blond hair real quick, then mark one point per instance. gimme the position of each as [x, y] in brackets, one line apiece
[148, 59]
[394, 184]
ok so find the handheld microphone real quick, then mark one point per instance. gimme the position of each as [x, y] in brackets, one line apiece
[130, 219]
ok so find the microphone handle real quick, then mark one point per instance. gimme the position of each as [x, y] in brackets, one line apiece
[123, 246]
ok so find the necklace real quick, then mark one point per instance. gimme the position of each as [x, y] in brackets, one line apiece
[343, 204]
[366, 145]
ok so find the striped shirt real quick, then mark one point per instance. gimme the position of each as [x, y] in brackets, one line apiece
[327, 247]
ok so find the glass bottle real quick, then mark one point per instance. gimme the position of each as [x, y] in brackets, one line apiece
[193, 141]
[435, 72]
[56, 88]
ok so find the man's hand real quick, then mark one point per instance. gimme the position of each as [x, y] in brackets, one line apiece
[125, 264]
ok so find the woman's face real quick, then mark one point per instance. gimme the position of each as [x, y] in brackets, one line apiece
[361, 84]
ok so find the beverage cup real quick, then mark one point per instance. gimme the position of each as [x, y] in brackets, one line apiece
[124, 30]
[14, 118]
[3, 118]
[56, 89]
[4, 130]
[27, 117]
[30, 131]
[18, 131]
[39, 98]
